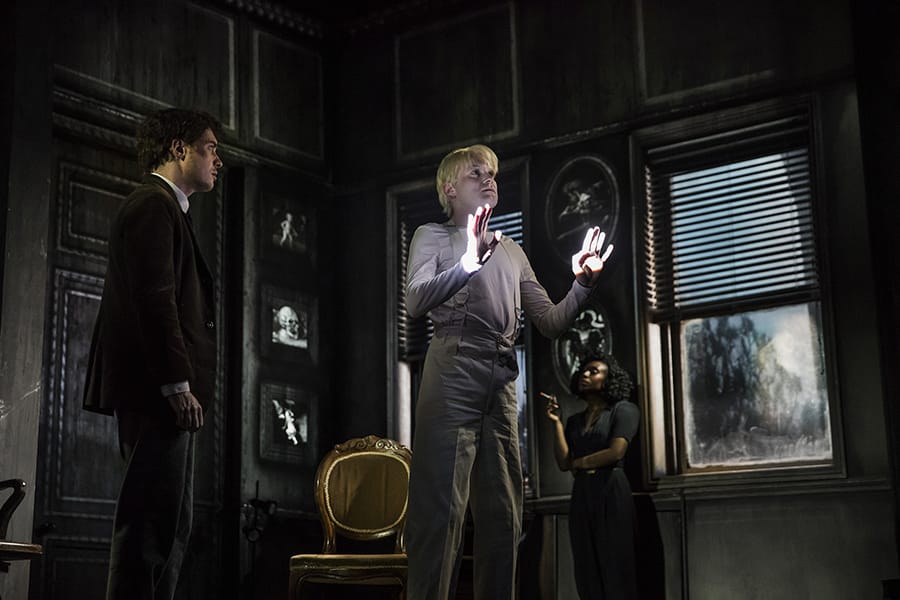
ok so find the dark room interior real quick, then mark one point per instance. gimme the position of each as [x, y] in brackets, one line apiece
[743, 157]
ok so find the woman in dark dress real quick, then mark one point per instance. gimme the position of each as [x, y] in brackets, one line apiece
[592, 446]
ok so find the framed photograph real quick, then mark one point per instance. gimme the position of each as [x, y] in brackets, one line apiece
[287, 325]
[287, 230]
[287, 424]
[582, 194]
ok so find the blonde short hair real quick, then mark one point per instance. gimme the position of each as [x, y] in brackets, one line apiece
[457, 161]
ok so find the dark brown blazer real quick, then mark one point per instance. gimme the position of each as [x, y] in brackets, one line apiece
[156, 321]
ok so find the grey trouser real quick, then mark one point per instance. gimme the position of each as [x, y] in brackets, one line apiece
[154, 510]
[465, 451]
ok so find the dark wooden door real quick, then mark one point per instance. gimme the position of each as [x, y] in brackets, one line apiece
[79, 469]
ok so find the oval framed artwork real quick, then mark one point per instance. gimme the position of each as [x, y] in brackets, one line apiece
[589, 333]
[583, 193]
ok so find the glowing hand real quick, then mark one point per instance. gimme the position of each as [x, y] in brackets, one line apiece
[479, 245]
[588, 262]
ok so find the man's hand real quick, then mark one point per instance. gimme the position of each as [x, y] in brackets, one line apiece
[188, 412]
[588, 262]
[479, 245]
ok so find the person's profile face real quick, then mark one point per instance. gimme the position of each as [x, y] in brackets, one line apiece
[474, 186]
[593, 376]
[202, 162]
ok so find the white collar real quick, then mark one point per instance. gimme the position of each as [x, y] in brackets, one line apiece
[181, 196]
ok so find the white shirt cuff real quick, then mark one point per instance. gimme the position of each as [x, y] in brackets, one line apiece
[171, 389]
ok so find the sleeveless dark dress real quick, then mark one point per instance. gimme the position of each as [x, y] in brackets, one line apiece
[601, 512]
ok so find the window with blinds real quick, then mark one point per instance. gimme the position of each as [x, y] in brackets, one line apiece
[413, 335]
[729, 217]
[736, 358]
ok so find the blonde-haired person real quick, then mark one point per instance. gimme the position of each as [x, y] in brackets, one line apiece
[474, 284]
[458, 161]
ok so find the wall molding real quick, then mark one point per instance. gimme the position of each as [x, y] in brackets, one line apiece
[280, 16]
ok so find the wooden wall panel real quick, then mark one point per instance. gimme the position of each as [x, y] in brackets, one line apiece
[80, 440]
[577, 65]
[149, 54]
[457, 82]
[88, 199]
[25, 231]
[703, 47]
[287, 96]
[829, 547]
[360, 315]
[363, 144]
[80, 565]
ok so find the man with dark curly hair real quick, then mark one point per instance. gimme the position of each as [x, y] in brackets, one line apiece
[592, 446]
[153, 355]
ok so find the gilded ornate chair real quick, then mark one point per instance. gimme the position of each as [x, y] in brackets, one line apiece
[361, 492]
[10, 551]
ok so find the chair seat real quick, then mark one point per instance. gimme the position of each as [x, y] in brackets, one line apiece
[10, 551]
[356, 561]
[373, 569]
[18, 551]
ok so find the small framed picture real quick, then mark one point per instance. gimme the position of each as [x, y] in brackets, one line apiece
[287, 325]
[287, 230]
[287, 424]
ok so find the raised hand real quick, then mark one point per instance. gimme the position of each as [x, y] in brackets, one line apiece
[479, 245]
[552, 407]
[588, 262]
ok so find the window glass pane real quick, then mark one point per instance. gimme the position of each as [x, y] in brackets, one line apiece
[754, 388]
[522, 410]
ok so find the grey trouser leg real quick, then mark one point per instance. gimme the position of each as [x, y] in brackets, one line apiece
[154, 510]
[466, 439]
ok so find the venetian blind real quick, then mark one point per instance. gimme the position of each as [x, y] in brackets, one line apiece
[730, 217]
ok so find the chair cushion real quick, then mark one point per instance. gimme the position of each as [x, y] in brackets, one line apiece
[18, 551]
[369, 569]
[337, 561]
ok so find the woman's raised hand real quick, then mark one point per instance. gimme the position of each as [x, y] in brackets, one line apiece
[552, 407]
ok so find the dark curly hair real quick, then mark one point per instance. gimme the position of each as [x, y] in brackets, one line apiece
[155, 134]
[618, 384]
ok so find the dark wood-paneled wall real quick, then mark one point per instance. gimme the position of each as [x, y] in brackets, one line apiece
[375, 105]
[26, 196]
[112, 62]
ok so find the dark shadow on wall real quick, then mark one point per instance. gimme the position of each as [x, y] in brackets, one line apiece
[648, 550]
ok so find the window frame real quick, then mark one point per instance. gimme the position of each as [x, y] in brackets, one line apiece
[659, 376]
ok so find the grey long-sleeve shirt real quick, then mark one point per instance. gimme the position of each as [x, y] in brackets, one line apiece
[492, 298]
